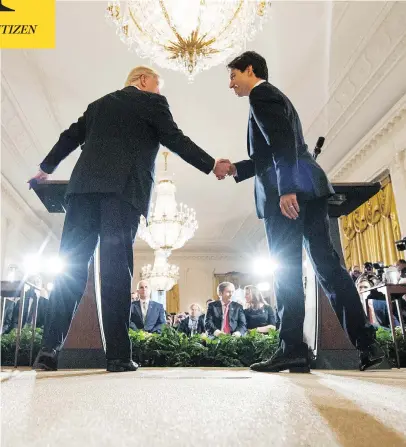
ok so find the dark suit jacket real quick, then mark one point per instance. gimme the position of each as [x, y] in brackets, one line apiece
[119, 135]
[154, 320]
[278, 155]
[184, 326]
[214, 317]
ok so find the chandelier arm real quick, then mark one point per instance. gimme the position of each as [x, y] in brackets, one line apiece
[168, 19]
[141, 30]
[237, 11]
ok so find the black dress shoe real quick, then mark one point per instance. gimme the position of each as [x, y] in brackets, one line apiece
[294, 361]
[46, 360]
[118, 365]
[371, 356]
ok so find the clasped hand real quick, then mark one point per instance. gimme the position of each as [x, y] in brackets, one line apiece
[223, 168]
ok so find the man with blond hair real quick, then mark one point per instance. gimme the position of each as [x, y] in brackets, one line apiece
[109, 189]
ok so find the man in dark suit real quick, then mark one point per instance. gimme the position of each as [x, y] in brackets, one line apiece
[225, 316]
[110, 188]
[146, 314]
[194, 322]
[291, 193]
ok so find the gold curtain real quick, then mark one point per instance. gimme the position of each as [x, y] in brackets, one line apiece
[172, 299]
[370, 231]
[237, 278]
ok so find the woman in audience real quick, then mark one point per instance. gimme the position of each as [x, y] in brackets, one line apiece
[258, 312]
[194, 323]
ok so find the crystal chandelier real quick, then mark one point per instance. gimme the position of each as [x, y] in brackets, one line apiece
[168, 227]
[187, 35]
[162, 276]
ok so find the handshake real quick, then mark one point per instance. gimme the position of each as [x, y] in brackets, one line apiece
[223, 167]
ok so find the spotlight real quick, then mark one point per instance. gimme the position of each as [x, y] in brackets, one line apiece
[31, 264]
[264, 267]
[264, 286]
[55, 265]
[50, 286]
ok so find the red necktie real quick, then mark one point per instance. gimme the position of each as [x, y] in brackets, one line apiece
[226, 329]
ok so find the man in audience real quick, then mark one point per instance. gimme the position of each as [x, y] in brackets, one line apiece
[355, 272]
[225, 316]
[194, 323]
[146, 314]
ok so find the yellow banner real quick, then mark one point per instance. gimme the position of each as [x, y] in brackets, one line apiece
[27, 23]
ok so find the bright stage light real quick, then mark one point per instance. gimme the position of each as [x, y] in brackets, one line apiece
[264, 267]
[50, 286]
[264, 286]
[31, 264]
[55, 265]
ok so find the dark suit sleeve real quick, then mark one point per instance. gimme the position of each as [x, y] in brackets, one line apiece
[68, 141]
[208, 322]
[174, 139]
[183, 327]
[269, 112]
[160, 321]
[241, 321]
[245, 170]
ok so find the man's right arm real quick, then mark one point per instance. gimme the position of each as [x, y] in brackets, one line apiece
[174, 139]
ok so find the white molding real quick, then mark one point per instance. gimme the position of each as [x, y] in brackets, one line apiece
[370, 141]
[364, 73]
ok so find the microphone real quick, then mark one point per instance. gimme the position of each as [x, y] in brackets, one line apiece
[318, 147]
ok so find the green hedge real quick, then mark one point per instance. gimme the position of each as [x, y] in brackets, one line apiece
[174, 349]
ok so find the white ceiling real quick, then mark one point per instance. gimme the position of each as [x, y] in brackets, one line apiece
[343, 64]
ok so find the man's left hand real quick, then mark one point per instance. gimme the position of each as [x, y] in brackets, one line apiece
[289, 206]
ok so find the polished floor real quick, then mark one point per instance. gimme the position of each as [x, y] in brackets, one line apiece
[203, 407]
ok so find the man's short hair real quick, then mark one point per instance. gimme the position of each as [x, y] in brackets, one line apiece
[137, 72]
[142, 280]
[197, 305]
[222, 286]
[252, 58]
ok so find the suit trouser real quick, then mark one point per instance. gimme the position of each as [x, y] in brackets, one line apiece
[88, 217]
[311, 229]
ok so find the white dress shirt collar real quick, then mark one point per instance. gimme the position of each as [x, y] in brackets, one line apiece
[258, 83]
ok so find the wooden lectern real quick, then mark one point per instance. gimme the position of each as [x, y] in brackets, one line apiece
[84, 346]
[322, 330]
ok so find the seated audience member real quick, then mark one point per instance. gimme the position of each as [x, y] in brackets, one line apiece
[169, 319]
[146, 314]
[401, 266]
[225, 316]
[382, 314]
[134, 296]
[178, 318]
[194, 323]
[355, 272]
[258, 312]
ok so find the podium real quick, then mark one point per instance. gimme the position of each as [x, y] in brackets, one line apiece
[84, 346]
[322, 330]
